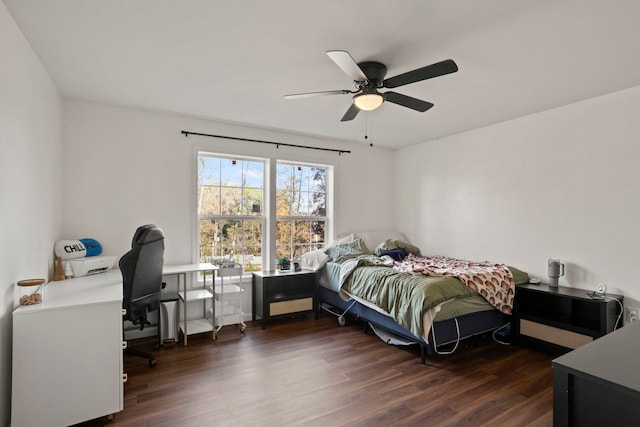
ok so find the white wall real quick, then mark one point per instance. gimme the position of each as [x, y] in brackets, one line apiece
[561, 183]
[30, 180]
[129, 167]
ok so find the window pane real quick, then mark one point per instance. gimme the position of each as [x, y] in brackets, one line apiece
[317, 233]
[208, 237]
[230, 254]
[252, 259]
[318, 204]
[230, 231]
[302, 232]
[298, 250]
[307, 174]
[318, 180]
[231, 200]
[283, 252]
[208, 200]
[252, 233]
[283, 202]
[283, 232]
[252, 202]
[231, 172]
[254, 174]
[301, 205]
[222, 241]
[208, 170]
[283, 177]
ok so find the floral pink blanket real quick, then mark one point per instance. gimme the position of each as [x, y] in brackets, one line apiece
[493, 281]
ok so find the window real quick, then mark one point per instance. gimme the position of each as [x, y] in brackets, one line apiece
[234, 210]
[230, 206]
[301, 209]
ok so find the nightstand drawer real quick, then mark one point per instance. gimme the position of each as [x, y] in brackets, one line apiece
[293, 306]
[553, 335]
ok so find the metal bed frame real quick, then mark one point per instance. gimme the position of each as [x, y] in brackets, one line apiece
[447, 331]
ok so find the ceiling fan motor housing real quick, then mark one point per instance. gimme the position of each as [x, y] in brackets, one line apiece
[375, 72]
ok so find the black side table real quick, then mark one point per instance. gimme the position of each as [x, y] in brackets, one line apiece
[563, 318]
[282, 292]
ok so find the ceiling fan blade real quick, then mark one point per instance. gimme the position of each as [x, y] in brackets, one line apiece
[447, 66]
[407, 101]
[312, 94]
[343, 59]
[351, 113]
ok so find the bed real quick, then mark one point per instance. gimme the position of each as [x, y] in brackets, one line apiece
[429, 311]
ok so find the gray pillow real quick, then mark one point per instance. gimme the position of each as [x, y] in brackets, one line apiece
[389, 244]
[342, 252]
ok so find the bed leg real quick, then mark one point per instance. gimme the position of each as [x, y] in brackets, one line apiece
[423, 354]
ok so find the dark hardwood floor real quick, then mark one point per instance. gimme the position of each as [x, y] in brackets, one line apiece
[307, 372]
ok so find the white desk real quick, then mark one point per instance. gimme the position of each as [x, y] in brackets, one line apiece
[67, 353]
[199, 325]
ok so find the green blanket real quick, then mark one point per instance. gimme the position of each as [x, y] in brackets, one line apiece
[406, 297]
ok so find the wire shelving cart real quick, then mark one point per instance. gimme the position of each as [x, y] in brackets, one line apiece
[228, 299]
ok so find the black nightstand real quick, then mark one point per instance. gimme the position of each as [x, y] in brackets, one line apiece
[282, 292]
[563, 318]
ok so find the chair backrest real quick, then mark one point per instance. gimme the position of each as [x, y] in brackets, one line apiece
[141, 269]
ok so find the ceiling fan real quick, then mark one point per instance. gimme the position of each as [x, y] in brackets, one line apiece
[368, 77]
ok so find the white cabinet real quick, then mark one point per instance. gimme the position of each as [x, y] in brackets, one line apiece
[67, 353]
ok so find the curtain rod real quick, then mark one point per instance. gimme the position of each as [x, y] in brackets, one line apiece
[186, 133]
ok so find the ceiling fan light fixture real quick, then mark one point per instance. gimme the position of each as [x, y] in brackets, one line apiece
[368, 101]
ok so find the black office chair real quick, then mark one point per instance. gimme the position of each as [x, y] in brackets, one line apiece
[141, 269]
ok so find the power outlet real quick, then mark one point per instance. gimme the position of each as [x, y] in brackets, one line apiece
[631, 314]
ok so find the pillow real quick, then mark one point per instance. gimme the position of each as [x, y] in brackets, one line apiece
[390, 244]
[346, 251]
[314, 260]
[341, 240]
[398, 254]
[519, 276]
[93, 247]
[70, 249]
[374, 238]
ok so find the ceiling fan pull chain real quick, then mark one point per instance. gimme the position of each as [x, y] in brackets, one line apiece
[366, 127]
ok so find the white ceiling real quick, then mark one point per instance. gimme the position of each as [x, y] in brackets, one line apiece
[234, 60]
